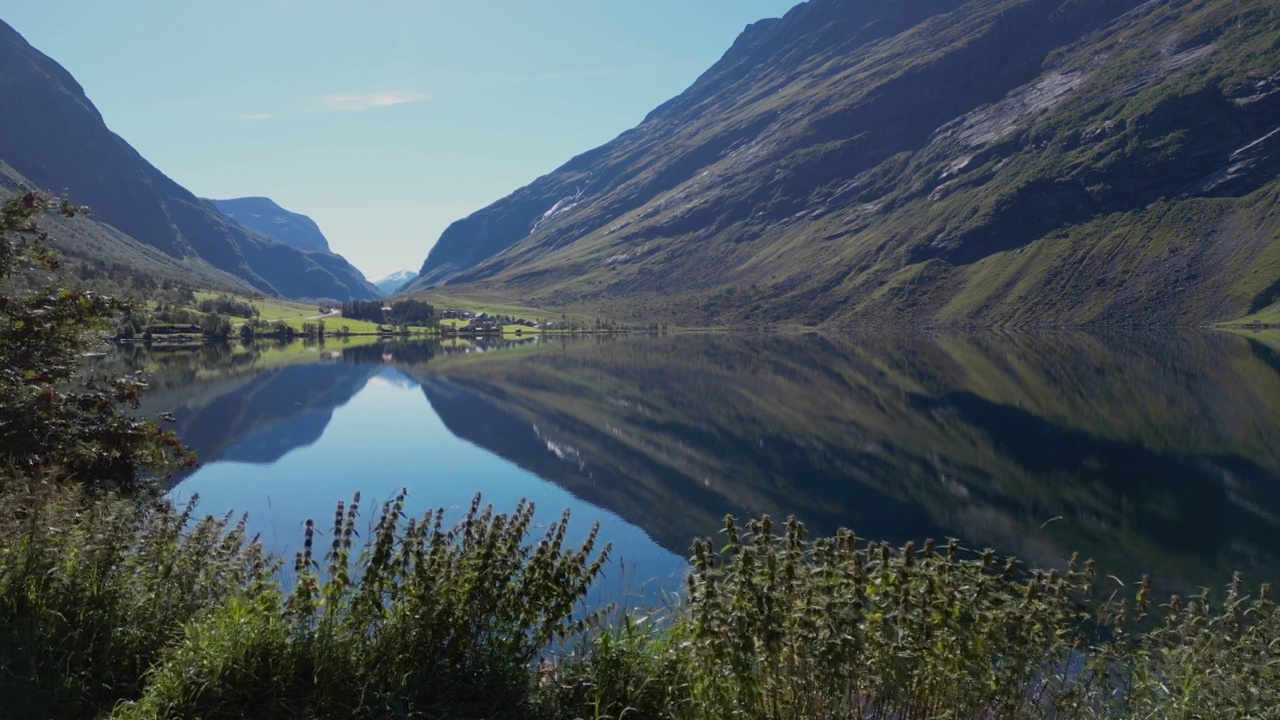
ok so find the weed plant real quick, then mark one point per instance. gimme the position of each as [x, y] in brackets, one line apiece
[425, 621]
[776, 627]
[133, 609]
[95, 589]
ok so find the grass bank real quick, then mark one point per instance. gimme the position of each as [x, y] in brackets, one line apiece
[111, 607]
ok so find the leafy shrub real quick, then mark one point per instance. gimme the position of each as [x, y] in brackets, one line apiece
[55, 422]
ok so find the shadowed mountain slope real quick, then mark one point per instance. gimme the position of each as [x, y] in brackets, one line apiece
[84, 242]
[927, 161]
[265, 217]
[55, 138]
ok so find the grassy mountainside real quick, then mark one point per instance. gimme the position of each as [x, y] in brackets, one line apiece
[1146, 452]
[966, 163]
[56, 139]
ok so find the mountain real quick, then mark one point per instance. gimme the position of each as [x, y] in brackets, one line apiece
[390, 283]
[55, 138]
[265, 217]
[929, 162]
[97, 249]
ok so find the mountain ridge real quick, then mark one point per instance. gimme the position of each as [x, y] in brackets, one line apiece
[956, 163]
[267, 218]
[88, 243]
[58, 140]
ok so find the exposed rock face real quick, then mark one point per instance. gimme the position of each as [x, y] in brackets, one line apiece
[931, 161]
[265, 217]
[55, 137]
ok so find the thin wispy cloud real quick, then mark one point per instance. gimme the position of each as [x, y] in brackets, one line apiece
[357, 101]
[254, 116]
[568, 74]
[517, 78]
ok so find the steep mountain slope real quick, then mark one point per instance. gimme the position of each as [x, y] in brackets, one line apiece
[924, 161]
[390, 283]
[265, 217]
[87, 243]
[55, 137]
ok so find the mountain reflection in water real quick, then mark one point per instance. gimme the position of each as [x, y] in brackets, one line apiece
[1152, 452]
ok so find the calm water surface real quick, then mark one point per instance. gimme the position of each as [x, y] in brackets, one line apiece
[1154, 453]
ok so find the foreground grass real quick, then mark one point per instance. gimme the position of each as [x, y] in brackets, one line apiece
[110, 607]
[95, 591]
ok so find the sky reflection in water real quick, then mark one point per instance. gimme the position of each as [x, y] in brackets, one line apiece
[388, 438]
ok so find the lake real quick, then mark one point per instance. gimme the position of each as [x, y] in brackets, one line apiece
[1153, 452]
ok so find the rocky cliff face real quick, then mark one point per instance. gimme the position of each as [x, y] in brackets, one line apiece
[928, 161]
[265, 217]
[55, 137]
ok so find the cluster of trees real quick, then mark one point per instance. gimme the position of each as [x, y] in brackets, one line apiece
[103, 273]
[599, 325]
[176, 307]
[399, 312]
[216, 325]
[226, 305]
[177, 317]
[262, 328]
[120, 278]
[99, 269]
[175, 314]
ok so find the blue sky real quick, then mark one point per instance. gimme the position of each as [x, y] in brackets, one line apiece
[384, 121]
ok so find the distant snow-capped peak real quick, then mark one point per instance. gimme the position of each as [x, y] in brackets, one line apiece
[392, 281]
